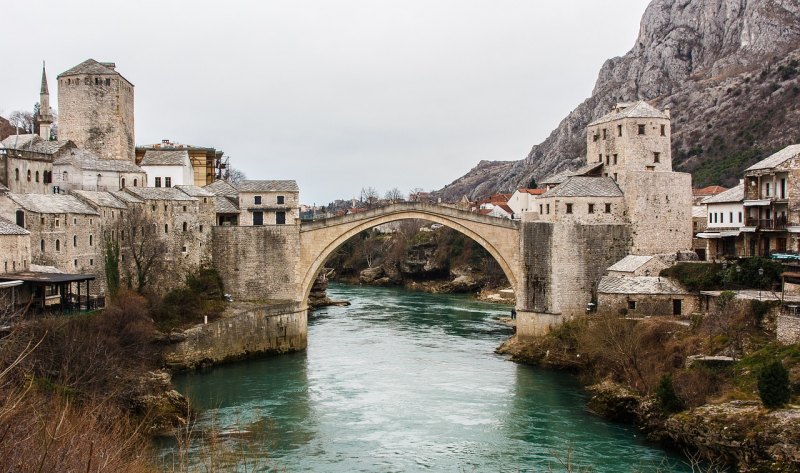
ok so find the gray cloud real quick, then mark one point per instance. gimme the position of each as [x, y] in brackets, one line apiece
[335, 94]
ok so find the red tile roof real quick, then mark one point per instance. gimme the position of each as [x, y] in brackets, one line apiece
[710, 190]
[533, 191]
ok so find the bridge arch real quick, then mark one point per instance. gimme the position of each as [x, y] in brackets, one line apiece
[319, 239]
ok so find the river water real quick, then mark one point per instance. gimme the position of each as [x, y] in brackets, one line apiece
[408, 381]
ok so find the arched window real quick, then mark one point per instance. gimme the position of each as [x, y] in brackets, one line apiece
[75, 241]
[135, 182]
[185, 226]
[37, 176]
[166, 228]
[123, 182]
[58, 245]
[21, 218]
[29, 175]
[16, 174]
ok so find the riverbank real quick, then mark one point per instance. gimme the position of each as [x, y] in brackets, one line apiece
[717, 413]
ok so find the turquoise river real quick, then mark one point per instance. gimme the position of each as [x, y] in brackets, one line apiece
[406, 381]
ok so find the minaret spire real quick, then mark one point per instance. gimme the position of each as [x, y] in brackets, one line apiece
[45, 117]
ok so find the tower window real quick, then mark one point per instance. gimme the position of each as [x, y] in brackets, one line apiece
[608, 208]
[663, 130]
[608, 160]
[37, 176]
[569, 208]
[29, 175]
[605, 133]
[619, 130]
[16, 174]
[591, 208]
[615, 159]
[656, 157]
[641, 129]
[600, 158]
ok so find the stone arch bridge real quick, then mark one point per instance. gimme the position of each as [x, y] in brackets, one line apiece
[553, 267]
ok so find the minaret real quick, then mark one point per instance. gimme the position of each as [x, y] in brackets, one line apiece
[45, 118]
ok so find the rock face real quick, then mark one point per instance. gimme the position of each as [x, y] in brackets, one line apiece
[728, 70]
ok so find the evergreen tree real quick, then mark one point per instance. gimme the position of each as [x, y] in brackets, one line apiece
[533, 184]
[773, 385]
[667, 397]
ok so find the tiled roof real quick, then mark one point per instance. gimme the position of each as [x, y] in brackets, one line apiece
[268, 186]
[34, 144]
[8, 227]
[710, 190]
[52, 204]
[153, 157]
[639, 109]
[531, 191]
[580, 186]
[89, 66]
[159, 193]
[221, 188]
[630, 263]
[506, 208]
[563, 175]
[735, 194]
[195, 191]
[100, 198]
[225, 205]
[3, 188]
[778, 158]
[88, 161]
[639, 285]
[125, 197]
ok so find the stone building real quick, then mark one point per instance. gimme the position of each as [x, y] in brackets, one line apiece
[724, 222]
[207, 163]
[95, 106]
[584, 200]
[64, 231]
[167, 168]
[226, 202]
[182, 220]
[522, 200]
[269, 203]
[81, 169]
[645, 295]
[772, 204]
[15, 247]
[26, 163]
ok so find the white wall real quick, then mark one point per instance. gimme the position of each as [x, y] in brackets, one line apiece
[180, 175]
[719, 215]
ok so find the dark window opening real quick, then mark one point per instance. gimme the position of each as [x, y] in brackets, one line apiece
[258, 218]
[631, 305]
[619, 130]
[569, 208]
[257, 200]
[641, 129]
[280, 218]
[605, 134]
[591, 208]
[663, 130]
[158, 182]
[608, 208]
[167, 182]
[615, 159]
[280, 200]
[21, 218]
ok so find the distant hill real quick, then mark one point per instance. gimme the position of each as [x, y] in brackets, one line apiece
[729, 70]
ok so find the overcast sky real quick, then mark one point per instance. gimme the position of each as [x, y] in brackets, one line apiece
[336, 94]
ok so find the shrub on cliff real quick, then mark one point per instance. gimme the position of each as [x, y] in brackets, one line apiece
[200, 296]
[773, 385]
[667, 397]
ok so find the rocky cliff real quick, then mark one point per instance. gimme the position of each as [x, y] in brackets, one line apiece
[728, 70]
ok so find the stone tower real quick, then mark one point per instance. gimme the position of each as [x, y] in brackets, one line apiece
[95, 105]
[633, 137]
[45, 118]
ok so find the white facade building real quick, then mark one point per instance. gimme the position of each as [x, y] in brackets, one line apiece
[167, 168]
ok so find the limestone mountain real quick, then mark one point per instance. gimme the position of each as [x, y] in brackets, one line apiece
[729, 70]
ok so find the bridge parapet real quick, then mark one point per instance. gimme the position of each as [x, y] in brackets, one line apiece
[405, 207]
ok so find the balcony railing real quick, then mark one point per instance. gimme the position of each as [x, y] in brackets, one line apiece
[769, 224]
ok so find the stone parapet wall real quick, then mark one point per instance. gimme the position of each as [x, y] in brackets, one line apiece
[273, 329]
[788, 329]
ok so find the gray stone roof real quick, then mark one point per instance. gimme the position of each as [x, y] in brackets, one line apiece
[90, 66]
[699, 211]
[125, 197]
[630, 263]
[155, 157]
[734, 194]
[639, 109]
[221, 188]
[86, 160]
[639, 285]
[100, 198]
[35, 144]
[52, 204]
[3, 188]
[580, 186]
[194, 191]
[776, 159]
[225, 205]
[8, 227]
[563, 175]
[159, 193]
[268, 186]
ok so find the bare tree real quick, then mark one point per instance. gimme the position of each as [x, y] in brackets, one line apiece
[235, 175]
[394, 195]
[418, 194]
[143, 250]
[23, 120]
[369, 196]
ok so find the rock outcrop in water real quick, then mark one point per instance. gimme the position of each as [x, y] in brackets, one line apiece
[729, 71]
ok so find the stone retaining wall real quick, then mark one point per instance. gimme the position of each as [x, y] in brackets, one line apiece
[273, 329]
[788, 329]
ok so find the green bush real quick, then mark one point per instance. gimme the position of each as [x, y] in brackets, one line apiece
[773, 385]
[201, 296]
[667, 397]
[695, 276]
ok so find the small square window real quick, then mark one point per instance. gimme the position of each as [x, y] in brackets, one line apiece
[257, 200]
[591, 208]
[641, 129]
[656, 157]
[569, 208]
[632, 305]
[280, 200]
[184, 208]
[608, 208]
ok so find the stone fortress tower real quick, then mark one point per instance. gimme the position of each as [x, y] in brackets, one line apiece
[96, 110]
[45, 117]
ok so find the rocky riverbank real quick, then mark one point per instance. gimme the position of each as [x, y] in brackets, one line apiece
[722, 422]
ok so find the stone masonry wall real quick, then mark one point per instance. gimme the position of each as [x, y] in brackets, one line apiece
[660, 212]
[788, 329]
[15, 253]
[279, 328]
[647, 304]
[97, 116]
[257, 263]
